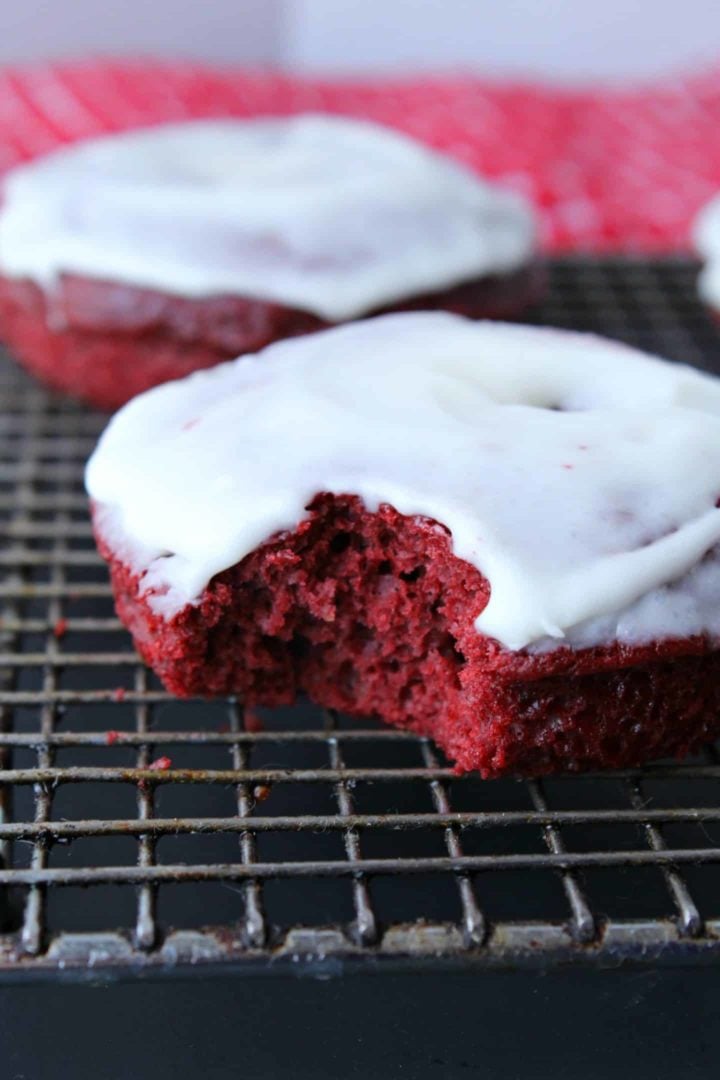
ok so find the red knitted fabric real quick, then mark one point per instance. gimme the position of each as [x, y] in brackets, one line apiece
[609, 169]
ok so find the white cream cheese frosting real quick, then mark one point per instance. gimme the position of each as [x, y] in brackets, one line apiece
[579, 475]
[330, 215]
[706, 238]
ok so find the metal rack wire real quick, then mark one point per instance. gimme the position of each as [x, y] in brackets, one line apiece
[212, 836]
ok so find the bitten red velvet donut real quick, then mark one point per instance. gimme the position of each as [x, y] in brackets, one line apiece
[502, 537]
[136, 258]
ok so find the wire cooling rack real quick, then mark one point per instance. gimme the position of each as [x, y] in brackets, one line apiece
[142, 832]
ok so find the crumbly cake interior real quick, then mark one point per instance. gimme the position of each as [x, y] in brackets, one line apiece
[372, 614]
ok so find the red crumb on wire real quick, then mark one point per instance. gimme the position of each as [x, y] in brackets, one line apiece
[60, 628]
[253, 721]
[119, 693]
[160, 764]
[112, 737]
[261, 792]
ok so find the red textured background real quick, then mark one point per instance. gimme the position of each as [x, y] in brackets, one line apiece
[617, 169]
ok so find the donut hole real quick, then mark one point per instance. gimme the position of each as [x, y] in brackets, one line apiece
[463, 398]
[550, 406]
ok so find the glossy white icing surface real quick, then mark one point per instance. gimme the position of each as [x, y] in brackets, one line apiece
[579, 475]
[327, 214]
[706, 237]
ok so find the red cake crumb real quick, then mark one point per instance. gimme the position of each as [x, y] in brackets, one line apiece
[106, 342]
[252, 721]
[60, 628]
[119, 693]
[160, 764]
[371, 613]
[261, 792]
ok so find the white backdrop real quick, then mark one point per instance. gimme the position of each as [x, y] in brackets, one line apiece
[569, 40]
[566, 39]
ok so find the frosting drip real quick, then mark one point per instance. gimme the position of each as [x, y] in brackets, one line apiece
[578, 475]
[330, 215]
